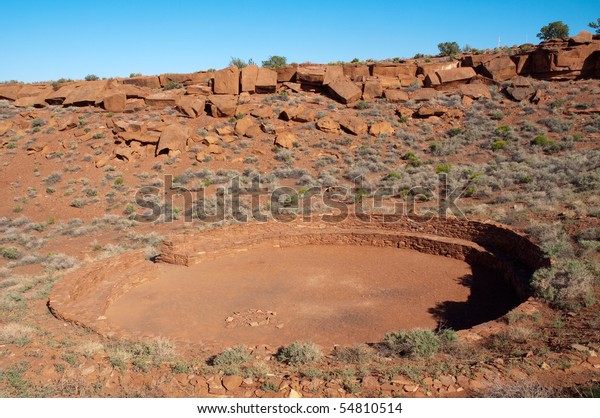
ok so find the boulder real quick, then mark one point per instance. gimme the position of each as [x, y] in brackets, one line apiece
[475, 91]
[58, 96]
[133, 92]
[248, 78]
[31, 101]
[432, 80]
[394, 70]
[431, 67]
[202, 78]
[328, 125]
[583, 37]
[192, 106]
[67, 122]
[285, 140]
[381, 128]
[312, 75]
[305, 115]
[390, 82]
[428, 111]
[200, 90]
[356, 72]
[242, 126]
[290, 112]
[134, 105]
[421, 95]
[354, 125]
[395, 95]
[460, 74]
[152, 82]
[227, 81]
[5, 126]
[372, 89]
[563, 61]
[499, 68]
[162, 99]
[264, 112]
[285, 74]
[115, 102]
[520, 89]
[252, 131]
[184, 79]
[266, 81]
[333, 73]
[86, 93]
[173, 137]
[345, 91]
[232, 382]
[10, 91]
[222, 105]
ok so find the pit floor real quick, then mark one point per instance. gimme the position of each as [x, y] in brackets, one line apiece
[325, 294]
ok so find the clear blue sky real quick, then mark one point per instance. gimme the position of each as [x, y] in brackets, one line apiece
[46, 40]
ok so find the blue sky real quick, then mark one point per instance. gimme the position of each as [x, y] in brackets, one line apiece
[47, 40]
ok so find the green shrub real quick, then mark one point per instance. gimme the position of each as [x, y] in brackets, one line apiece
[498, 145]
[91, 77]
[240, 63]
[171, 85]
[298, 353]
[540, 140]
[443, 168]
[232, 357]
[448, 48]
[10, 253]
[415, 343]
[553, 30]
[361, 104]
[569, 284]
[275, 61]
[37, 123]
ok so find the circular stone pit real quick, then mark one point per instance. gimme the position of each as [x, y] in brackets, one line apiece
[330, 283]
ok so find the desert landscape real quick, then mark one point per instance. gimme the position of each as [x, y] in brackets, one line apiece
[418, 227]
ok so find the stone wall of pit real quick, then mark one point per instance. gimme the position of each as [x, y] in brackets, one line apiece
[495, 246]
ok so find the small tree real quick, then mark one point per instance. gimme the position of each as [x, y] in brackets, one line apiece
[240, 63]
[595, 25]
[275, 61]
[91, 77]
[553, 30]
[448, 49]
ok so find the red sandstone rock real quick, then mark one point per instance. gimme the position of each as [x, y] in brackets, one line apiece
[345, 91]
[115, 102]
[227, 81]
[152, 82]
[354, 125]
[222, 105]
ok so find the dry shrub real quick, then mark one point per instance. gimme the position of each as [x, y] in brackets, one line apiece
[17, 334]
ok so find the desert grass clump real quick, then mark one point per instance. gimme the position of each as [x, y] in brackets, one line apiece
[297, 353]
[522, 389]
[357, 354]
[568, 284]
[142, 355]
[415, 343]
[13, 333]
